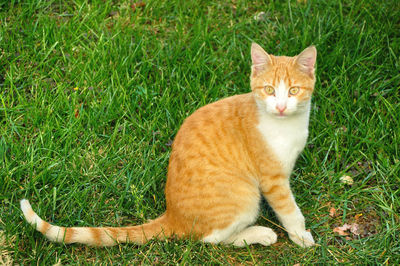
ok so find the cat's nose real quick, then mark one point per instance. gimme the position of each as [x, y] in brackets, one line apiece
[281, 108]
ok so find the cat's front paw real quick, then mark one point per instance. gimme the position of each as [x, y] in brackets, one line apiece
[303, 238]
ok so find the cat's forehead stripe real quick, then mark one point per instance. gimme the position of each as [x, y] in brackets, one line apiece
[275, 75]
[282, 72]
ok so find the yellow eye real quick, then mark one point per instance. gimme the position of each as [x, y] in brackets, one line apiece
[269, 90]
[294, 90]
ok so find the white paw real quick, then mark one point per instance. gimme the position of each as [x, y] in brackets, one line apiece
[255, 234]
[303, 238]
[267, 237]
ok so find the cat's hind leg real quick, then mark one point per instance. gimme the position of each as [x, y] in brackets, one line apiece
[221, 235]
[240, 224]
[253, 235]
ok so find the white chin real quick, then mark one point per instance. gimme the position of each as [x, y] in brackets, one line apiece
[278, 115]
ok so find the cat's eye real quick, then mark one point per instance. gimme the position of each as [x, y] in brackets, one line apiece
[269, 90]
[294, 90]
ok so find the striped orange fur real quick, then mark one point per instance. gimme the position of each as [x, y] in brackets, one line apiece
[225, 156]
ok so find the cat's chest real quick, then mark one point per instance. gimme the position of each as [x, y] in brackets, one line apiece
[285, 138]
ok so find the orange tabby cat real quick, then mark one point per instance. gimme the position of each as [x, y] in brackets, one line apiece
[225, 156]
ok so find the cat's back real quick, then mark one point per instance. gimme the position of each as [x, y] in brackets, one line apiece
[231, 112]
[213, 136]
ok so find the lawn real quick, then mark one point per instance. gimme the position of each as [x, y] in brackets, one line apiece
[93, 93]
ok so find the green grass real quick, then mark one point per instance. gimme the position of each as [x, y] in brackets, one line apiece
[92, 94]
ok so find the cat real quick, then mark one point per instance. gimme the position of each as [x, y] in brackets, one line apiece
[225, 155]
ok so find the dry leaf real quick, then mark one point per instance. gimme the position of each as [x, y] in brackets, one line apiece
[341, 229]
[260, 16]
[332, 212]
[136, 5]
[76, 113]
[355, 229]
[347, 180]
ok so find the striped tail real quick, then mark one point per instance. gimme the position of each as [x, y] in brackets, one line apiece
[97, 236]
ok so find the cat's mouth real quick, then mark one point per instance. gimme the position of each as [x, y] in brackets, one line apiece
[281, 115]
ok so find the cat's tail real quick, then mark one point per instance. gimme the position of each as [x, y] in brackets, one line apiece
[98, 236]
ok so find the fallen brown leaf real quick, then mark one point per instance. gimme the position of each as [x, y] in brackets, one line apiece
[355, 229]
[136, 5]
[332, 212]
[76, 113]
[341, 230]
[346, 179]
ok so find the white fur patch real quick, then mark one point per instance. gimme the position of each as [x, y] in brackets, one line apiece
[55, 233]
[30, 216]
[286, 136]
[281, 94]
[253, 235]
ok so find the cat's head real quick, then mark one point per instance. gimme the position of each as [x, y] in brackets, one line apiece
[283, 85]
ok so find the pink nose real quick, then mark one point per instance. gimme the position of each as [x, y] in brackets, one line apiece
[281, 108]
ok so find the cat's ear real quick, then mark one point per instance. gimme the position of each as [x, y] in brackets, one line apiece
[306, 60]
[260, 59]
